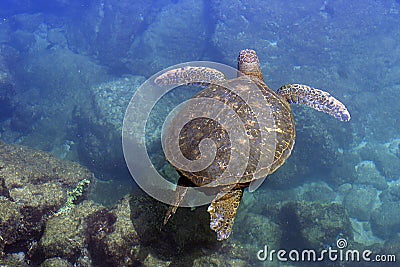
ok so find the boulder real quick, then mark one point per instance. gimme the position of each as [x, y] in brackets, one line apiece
[359, 202]
[170, 39]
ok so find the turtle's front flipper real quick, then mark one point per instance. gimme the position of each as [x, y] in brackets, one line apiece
[223, 210]
[190, 75]
[315, 98]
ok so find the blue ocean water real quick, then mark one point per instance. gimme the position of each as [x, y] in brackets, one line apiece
[68, 70]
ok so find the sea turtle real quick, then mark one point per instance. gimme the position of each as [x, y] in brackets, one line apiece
[223, 208]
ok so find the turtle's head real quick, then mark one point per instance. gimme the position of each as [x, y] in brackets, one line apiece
[249, 64]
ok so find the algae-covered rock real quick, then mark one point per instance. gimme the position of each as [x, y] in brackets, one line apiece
[188, 228]
[64, 235]
[359, 201]
[257, 230]
[316, 192]
[46, 196]
[112, 238]
[392, 247]
[91, 235]
[391, 194]
[314, 225]
[9, 221]
[216, 260]
[387, 163]
[21, 165]
[151, 260]
[368, 174]
[100, 125]
[34, 185]
[112, 98]
[56, 262]
[385, 220]
[14, 260]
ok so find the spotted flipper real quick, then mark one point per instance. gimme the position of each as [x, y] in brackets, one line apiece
[315, 98]
[190, 75]
[223, 210]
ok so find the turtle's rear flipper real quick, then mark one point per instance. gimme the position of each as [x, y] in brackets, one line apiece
[315, 98]
[179, 195]
[223, 210]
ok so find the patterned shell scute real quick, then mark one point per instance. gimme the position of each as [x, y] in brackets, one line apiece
[200, 128]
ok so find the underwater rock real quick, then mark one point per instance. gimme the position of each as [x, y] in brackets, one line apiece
[99, 125]
[91, 235]
[257, 230]
[385, 220]
[64, 80]
[185, 36]
[315, 192]
[118, 25]
[388, 163]
[65, 235]
[272, 28]
[313, 225]
[377, 128]
[359, 202]
[112, 238]
[343, 171]
[20, 166]
[22, 41]
[34, 186]
[318, 153]
[132, 233]
[228, 254]
[220, 260]
[363, 233]
[392, 247]
[52, 91]
[368, 174]
[26, 22]
[385, 160]
[290, 174]
[14, 260]
[150, 260]
[344, 188]
[9, 221]
[392, 193]
[57, 37]
[112, 98]
[106, 29]
[7, 89]
[56, 262]
[186, 229]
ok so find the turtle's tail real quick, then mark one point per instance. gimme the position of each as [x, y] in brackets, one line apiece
[315, 98]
